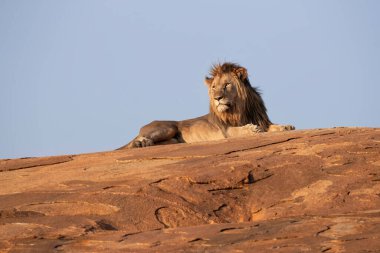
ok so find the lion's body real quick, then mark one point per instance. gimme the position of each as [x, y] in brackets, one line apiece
[236, 109]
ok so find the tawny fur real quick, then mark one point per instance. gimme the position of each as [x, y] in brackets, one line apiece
[236, 109]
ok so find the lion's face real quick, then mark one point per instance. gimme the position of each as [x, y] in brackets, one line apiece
[233, 101]
[223, 92]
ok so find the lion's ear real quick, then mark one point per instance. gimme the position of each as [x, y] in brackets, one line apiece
[208, 80]
[241, 73]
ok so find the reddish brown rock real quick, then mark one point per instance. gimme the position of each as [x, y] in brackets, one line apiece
[311, 190]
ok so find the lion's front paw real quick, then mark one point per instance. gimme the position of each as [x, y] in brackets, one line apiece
[289, 127]
[275, 128]
[142, 142]
[253, 128]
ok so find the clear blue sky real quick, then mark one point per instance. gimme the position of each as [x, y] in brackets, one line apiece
[80, 76]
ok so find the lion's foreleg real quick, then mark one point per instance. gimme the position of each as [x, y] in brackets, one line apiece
[247, 130]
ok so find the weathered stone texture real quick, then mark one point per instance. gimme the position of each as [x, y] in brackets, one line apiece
[299, 191]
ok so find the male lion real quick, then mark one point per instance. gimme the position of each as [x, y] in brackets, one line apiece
[236, 109]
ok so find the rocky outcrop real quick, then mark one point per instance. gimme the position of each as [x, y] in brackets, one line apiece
[310, 190]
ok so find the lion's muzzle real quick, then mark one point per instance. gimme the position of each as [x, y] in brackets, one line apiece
[222, 105]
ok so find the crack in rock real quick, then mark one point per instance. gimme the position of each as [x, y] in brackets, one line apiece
[323, 230]
[159, 216]
[219, 209]
[158, 181]
[191, 181]
[326, 249]
[196, 240]
[105, 225]
[125, 236]
[229, 229]
[229, 188]
[261, 146]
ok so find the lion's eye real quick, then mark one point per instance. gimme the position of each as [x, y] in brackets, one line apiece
[213, 87]
[228, 85]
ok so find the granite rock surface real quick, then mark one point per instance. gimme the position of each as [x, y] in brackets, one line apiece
[299, 191]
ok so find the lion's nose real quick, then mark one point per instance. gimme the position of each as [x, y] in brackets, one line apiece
[218, 97]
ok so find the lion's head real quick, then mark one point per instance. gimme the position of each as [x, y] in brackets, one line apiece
[233, 101]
